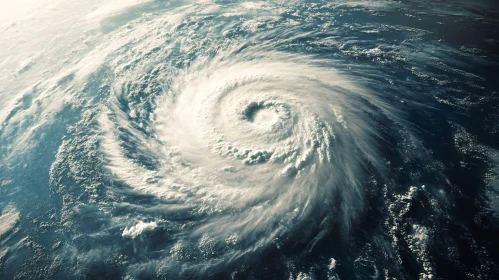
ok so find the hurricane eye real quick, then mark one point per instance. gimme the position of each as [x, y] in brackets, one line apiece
[259, 113]
[262, 116]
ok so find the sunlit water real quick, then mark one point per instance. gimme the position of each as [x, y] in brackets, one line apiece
[249, 140]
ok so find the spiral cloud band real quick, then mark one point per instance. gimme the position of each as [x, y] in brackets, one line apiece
[255, 143]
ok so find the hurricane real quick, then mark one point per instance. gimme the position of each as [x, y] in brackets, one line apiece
[249, 140]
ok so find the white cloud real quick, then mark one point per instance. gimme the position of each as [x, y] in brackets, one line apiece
[139, 228]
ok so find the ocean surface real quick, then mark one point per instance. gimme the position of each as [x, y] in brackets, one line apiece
[207, 139]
